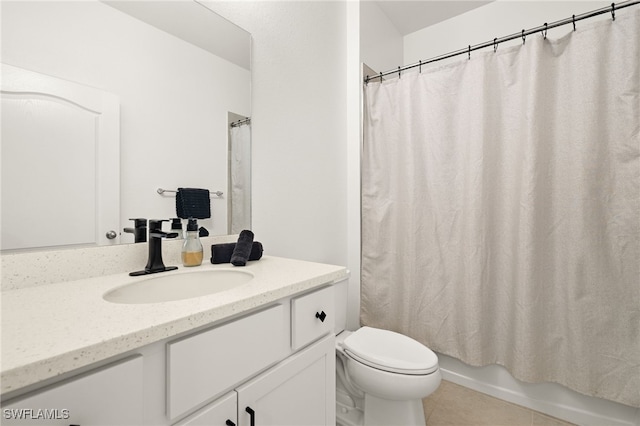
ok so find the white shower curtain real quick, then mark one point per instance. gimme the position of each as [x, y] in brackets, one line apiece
[240, 178]
[501, 208]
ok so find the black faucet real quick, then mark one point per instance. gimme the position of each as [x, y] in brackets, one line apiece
[155, 263]
[139, 230]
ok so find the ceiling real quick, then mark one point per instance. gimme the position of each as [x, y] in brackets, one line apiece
[409, 16]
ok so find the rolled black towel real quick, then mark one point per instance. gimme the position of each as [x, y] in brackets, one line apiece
[221, 253]
[243, 248]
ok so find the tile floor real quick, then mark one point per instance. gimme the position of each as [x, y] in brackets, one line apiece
[455, 405]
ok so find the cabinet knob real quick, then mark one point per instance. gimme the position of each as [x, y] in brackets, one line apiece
[229, 423]
[321, 316]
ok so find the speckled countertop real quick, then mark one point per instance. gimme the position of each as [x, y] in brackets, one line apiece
[56, 328]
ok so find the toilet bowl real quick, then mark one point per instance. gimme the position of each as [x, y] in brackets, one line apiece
[382, 377]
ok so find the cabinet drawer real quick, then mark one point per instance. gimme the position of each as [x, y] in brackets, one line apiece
[312, 316]
[112, 396]
[202, 366]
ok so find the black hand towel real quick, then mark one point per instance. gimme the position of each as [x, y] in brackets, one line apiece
[243, 248]
[221, 253]
[193, 202]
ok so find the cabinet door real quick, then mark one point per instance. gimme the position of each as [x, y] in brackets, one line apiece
[108, 396]
[222, 412]
[299, 391]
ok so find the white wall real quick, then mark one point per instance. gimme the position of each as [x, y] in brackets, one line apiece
[498, 19]
[173, 111]
[381, 43]
[298, 126]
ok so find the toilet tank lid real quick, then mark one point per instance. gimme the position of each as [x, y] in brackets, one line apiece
[390, 351]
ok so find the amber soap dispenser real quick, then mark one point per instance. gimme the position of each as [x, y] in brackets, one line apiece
[192, 247]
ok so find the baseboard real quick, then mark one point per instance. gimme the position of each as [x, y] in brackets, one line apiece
[548, 398]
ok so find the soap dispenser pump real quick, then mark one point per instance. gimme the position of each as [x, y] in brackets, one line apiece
[192, 248]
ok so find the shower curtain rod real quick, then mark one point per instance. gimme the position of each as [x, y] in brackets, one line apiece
[247, 120]
[543, 29]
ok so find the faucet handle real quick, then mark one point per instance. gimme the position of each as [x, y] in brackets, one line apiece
[156, 224]
[155, 229]
[139, 222]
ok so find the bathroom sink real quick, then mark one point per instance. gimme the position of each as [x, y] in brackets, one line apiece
[172, 287]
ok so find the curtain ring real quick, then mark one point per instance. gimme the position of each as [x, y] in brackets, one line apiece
[613, 11]
[380, 77]
[399, 75]
[495, 44]
[574, 22]
[469, 52]
[523, 37]
[366, 80]
[544, 32]
[420, 67]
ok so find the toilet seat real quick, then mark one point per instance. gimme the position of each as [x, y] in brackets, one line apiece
[389, 351]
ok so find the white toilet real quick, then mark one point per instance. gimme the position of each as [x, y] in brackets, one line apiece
[382, 377]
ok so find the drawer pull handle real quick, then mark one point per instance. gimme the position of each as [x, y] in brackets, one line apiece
[229, 423]
[321, 316]
[252, 415]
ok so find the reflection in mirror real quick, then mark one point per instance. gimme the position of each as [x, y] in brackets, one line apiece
[239, 173]
[175, 70]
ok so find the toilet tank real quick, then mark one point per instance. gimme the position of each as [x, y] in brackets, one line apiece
[341, 292]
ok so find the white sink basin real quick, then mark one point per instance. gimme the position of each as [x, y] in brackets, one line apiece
[171, 287]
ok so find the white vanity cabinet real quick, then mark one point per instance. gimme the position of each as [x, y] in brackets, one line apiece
[274, 365]
[109, 396]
